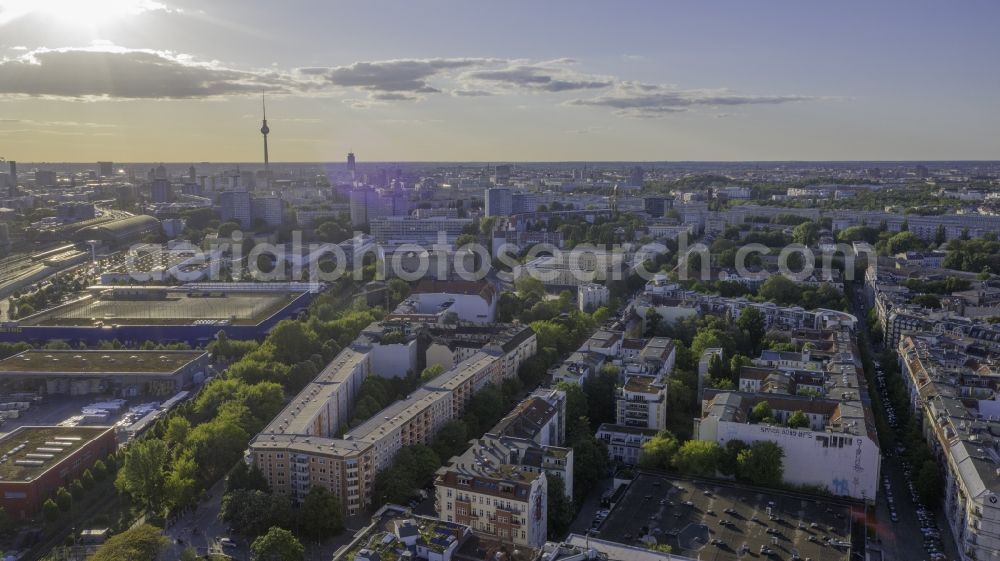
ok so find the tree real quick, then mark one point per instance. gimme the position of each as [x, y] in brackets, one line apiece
[658, 452]
[64, 499]
[560, 508]
[728, 464]
[189, 554]
[698, 457]
[293, 341]
[177, 430]
[142, 476]
[181, 485]
[137, 544]
[797, 420]
[100, 470]
[780, 290]
[652, 321]
[252, 512]
[277, 545]
[806, 233]
[761, 464]
[576, 407]
[929, 484]
[590, 465]
[600, 392]
[761, 413]
[452, 439]
[529, 286]
[87, 479]
[50, 510]
[751, 321]
[431, 372]
[321, 514]
[76, 489]
[903, 242]
[243, 476]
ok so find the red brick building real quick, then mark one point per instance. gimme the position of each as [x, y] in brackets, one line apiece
[36, 461]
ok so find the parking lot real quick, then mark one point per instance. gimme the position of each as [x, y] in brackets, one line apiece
[712, 520]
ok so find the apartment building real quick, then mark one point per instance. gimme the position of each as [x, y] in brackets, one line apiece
[953, 383]
[839, 449]
[487, 489]
[303, 446]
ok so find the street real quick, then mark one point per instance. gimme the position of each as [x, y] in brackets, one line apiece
[901, 540]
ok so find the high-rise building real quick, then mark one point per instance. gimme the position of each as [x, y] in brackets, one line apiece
[106, 169]
[498, 201]
[405, 229]
[270, 210]
[501, 175]
[192, 174]
[351, 164]
[12, 180]
[656, 206]
[636, 176]
[235, 206]
[161, 191]
[521, 203]
[45, 178]
[364, 205]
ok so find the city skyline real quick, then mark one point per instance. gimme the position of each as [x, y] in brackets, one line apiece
[176, 81]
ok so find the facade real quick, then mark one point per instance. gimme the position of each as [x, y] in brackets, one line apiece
[624, 442]
[642, 402]
[39, 460]
[303, 446]
[839, 449]
[953, 388]
[469, 301]
[270, 210]
[124, 374]
[487, 489]
[236, 206]
[591, 296]
[498, 201]
[428, 231]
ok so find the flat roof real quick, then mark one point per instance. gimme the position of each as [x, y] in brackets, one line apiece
[176, 308]
[90, 363]
[43, 447]
[656, 502]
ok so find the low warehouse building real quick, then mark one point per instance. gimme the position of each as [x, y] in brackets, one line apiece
[124, 373]
[36, 461]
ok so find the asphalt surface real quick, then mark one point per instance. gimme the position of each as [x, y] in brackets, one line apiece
[901, 540]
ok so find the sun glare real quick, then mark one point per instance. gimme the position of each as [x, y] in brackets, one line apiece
[76, 12]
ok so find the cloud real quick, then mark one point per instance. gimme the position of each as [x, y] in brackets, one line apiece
[635, 99]
[550, 76]
[394, 76]
[471, 93]
[393, 96]
[113, 72]
[38, 123]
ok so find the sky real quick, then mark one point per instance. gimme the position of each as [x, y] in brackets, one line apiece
[460, 80]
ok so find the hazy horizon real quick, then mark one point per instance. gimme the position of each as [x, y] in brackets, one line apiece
[445, 80]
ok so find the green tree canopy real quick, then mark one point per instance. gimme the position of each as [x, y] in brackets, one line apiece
[277, 544]
[698, 457]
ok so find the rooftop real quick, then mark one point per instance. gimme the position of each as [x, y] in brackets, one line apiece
[91, 363]
[139, 306]
[655, 505]
[29, 452]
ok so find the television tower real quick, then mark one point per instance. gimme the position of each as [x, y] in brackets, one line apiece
[264, 130]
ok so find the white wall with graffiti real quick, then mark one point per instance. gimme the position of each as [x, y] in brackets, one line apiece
[845, 464]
